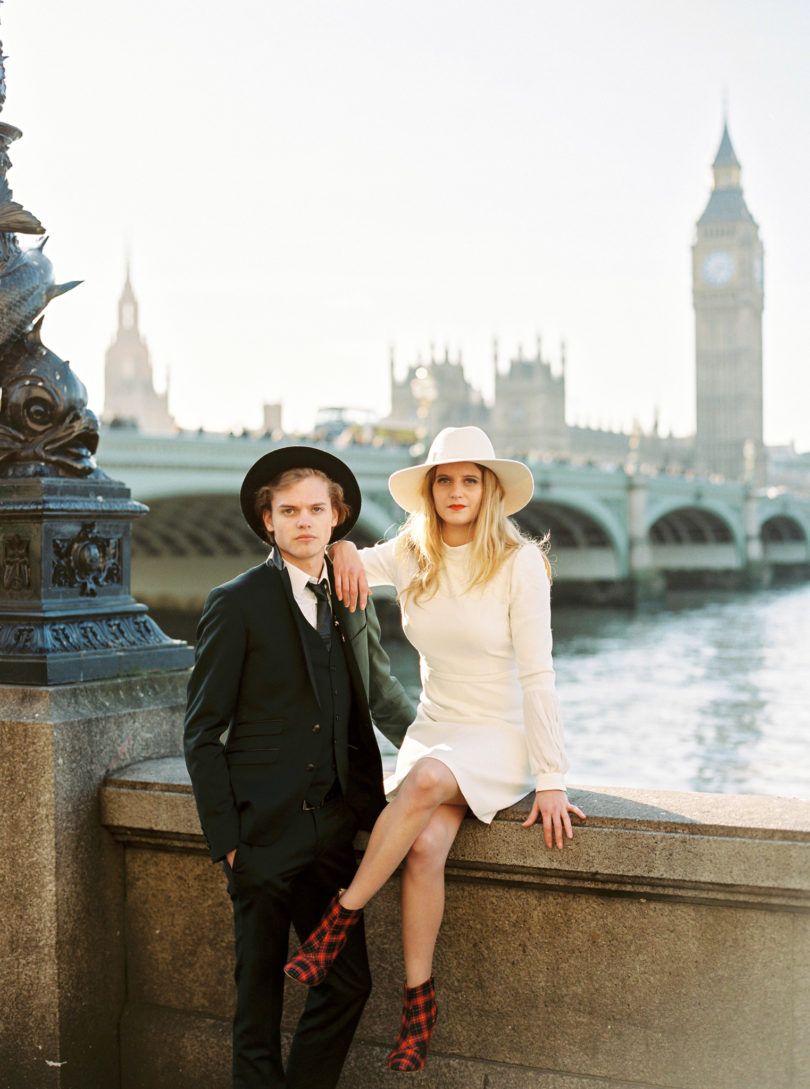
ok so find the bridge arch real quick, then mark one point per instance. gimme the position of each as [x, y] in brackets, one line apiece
[785, 541]
[728, 510]
[696, 538]
[585, 546]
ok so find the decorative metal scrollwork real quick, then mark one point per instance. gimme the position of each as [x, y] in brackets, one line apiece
[108, 633]
[16, 563]
[87, 561]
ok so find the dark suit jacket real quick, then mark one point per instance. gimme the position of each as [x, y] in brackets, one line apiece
[254, 681]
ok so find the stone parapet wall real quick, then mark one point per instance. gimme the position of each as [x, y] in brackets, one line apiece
[62, 957]
[668, 946]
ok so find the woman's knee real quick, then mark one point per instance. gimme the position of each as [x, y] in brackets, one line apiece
[429, 782]
[428, 851]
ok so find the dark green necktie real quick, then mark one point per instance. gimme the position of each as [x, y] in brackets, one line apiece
[324, 613]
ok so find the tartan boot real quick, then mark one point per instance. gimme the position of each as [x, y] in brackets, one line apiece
[418, 1019]
[316, 956]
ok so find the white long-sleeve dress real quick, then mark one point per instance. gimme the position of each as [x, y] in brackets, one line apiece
[488, 707]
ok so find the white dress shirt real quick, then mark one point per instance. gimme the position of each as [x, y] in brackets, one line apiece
[304, 598]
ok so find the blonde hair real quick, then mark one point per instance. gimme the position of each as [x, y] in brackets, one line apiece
[263, 499]
[495, 537]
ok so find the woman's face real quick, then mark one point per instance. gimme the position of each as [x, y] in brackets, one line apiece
[458, 489]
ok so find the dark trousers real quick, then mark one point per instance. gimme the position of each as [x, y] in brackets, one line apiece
[292, 882]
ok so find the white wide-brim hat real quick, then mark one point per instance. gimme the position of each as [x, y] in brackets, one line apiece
[455, 444]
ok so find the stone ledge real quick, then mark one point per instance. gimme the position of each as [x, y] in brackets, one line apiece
[31, 704]
[754, 815]
[745, 850]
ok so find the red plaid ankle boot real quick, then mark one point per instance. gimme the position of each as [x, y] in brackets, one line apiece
[316, 956]
[418, 1019]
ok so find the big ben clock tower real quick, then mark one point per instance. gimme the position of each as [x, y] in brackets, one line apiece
[727, 293]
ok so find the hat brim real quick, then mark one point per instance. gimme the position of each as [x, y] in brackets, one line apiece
[405, 485]
[276, 462]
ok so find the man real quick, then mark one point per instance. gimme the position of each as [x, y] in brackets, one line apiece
[295, 679]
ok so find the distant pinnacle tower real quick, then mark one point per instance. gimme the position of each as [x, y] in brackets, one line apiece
[129, 389]
[728, 299]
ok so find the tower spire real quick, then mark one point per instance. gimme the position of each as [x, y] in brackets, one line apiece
[726, 165]
[127, 304]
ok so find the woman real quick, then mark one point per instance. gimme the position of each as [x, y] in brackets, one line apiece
[474, 595]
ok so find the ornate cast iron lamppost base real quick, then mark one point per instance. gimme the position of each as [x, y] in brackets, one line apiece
[66, 613]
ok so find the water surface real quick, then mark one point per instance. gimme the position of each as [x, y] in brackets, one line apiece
[709, 694]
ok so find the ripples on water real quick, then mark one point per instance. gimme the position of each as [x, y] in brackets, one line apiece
[710, 694]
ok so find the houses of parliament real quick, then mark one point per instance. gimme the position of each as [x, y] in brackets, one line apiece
[527, 417]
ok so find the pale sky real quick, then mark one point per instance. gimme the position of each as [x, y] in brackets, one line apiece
[301, 185]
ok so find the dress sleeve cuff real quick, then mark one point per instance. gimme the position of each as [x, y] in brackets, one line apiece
[550, 781]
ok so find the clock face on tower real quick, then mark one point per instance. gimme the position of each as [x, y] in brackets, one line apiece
[718, 268]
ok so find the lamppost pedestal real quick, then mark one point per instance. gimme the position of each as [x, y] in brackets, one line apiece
[66, 613]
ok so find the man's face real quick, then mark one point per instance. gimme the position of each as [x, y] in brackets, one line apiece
[301, 519]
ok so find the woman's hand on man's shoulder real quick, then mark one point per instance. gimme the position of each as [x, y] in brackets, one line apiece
[351, 584]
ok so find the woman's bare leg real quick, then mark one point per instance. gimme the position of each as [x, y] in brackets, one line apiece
[428, 784]
[423, 891]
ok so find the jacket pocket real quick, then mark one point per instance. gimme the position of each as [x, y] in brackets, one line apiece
[255, 737]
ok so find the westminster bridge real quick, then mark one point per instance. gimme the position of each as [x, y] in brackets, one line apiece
[615, 535]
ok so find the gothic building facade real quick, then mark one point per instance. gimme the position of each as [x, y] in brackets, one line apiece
[130, 398]
[527, 415]
[434, 395]
[526, 388]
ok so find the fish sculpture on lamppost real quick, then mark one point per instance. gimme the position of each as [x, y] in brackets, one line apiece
[44, 419]
[66, 613]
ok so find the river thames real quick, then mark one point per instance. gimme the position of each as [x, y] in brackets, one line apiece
[711, 693]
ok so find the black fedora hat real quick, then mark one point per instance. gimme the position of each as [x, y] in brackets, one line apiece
[271, 465]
